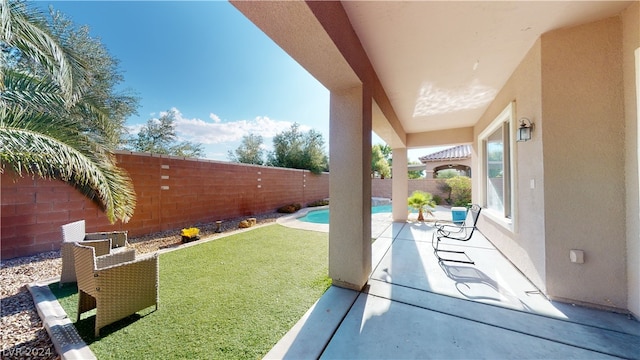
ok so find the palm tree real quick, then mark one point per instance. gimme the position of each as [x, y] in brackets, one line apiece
[50, 125]
[422, 201]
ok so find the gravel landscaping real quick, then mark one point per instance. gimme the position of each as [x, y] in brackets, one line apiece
[21, 331]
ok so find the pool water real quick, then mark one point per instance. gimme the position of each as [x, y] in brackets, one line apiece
[322, 216]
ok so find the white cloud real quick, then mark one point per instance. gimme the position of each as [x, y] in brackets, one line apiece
[134, 129]
[216, 155]
[215, 118]
[220, 136]
[217, 132]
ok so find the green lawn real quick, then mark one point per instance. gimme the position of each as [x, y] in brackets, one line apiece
[232, 298]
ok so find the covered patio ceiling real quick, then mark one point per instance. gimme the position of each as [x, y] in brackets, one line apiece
[439, 64]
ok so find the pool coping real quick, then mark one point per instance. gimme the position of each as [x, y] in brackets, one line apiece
[441, 213]
[293, 220]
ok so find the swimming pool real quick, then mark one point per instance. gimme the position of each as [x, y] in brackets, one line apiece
[322, 216]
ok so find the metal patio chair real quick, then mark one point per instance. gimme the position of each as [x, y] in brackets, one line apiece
[459, 232]
[114, 284]
[103, 242]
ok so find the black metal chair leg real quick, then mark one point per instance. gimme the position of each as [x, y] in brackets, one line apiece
[437, 250]
[454, 260]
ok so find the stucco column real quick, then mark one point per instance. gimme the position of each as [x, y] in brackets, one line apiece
[429, 174]
[633, 203]
[350, 188]
[400, 184]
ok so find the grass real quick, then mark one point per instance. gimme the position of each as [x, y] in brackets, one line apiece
[232, 298]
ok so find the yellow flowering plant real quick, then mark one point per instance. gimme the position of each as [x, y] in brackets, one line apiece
[190, 232]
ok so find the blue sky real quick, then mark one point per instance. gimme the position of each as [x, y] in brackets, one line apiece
[223, 75]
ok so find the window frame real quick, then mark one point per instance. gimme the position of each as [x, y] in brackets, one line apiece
[506, 121]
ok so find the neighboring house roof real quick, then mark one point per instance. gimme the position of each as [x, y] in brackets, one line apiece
[455, 153]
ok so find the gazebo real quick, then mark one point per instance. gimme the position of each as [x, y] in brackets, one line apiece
[456, 158]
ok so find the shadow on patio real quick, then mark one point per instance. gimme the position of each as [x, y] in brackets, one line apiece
[415, 307]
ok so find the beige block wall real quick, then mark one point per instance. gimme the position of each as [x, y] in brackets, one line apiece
[631, 71]
[383, 188]
[525, 245]
[583, 134]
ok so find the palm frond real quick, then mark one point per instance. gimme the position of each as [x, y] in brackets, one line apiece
[95, 116]
[5, 20]
[29, 148]
[50, 125]
[28, 91]
[26, 30]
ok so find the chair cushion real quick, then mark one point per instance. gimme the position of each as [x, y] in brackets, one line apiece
[73, 232]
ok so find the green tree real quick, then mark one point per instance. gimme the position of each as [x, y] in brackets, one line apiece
[158, 136]
[387, 152]
[379, 163]
[249, 152]
[442, 184]
[416, 174]
[187, 149]
[105, 76]
[52, 124]
[447, 174]
[298, 150]
[460, 190]
[421, 201]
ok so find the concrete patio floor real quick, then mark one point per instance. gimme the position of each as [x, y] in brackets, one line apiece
[416, 308]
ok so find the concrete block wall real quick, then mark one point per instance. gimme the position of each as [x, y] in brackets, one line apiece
[382, 187]
[171, 193]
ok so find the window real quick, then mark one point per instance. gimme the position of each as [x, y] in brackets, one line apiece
[496, 150]
[496, 163]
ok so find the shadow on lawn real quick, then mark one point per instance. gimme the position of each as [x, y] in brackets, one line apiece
[68, 294]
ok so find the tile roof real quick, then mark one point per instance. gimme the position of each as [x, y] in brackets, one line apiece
[455, 153]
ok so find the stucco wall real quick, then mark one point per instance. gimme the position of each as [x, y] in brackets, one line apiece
[583, 133]
[631, 70]
[570, 178]
[171, 193]
[525, 245]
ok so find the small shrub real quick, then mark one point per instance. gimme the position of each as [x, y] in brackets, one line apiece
[297, 206]
[288, 209]
[247, 223]
[190, 232]
[318, 203]
[444, 188]
[460, 190]
[437, 199]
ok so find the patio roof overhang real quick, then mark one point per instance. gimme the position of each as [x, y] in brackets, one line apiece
[434, 66]
[434, 73]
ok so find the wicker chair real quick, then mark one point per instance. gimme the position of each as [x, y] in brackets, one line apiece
[115, 284]
[74, 232]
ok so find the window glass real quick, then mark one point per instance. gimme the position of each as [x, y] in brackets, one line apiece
[495, 156]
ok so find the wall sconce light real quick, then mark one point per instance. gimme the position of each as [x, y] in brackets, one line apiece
[525, 129]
